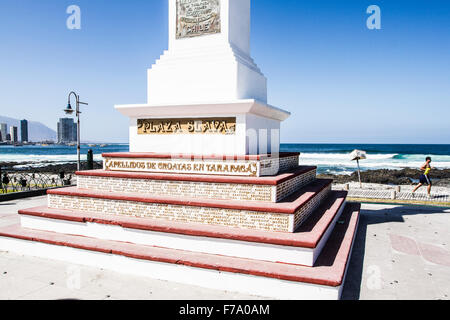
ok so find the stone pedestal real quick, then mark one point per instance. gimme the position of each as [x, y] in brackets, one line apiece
[247, 166]
[204, 197]
[276, 236]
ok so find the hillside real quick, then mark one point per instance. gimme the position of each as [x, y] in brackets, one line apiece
[36, 130]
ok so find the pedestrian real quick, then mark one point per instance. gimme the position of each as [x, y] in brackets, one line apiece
[425, 177]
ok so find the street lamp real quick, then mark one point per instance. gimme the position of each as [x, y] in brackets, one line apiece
[70, 111]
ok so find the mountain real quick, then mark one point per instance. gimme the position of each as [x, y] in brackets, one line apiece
[36, 131]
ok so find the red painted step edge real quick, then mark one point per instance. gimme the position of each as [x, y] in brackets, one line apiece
[329, 270]
[288, 206]
[150, 155]
[307, 236]
[272, 181]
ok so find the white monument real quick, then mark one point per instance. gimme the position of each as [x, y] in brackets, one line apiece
[205, 94]
[203, 198]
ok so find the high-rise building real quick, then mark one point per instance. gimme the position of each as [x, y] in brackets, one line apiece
[67, 130]
[3, 128]
[24, 131]
[74, 132]
[13, 132]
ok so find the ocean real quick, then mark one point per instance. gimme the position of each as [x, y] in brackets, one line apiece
[58, 154]
[329, 158]
[334, 158]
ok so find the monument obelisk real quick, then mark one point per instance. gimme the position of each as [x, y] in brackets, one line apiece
[206, 95]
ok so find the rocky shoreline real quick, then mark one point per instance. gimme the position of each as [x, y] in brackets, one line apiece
[387, 177]
[49, 167]
[392, 177]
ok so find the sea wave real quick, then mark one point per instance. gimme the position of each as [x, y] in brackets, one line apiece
[403, 158]
[373, 165]
[333, 163]
[422, 157]
[346, 156]
[36, 158]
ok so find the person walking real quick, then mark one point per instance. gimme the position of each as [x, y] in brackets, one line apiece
[425, 177]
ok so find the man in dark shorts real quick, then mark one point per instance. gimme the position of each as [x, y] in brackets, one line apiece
[425, 177]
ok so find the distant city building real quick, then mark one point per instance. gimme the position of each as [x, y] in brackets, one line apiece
[13, 134]
[67, 130]
[8, 137]
[24, 130]
[74, 132]
[3, 129]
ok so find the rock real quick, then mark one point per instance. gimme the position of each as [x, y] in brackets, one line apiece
[392, 177]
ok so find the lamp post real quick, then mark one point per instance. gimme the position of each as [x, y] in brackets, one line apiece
[70, 111]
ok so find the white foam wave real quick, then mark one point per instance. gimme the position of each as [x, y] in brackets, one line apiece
[373, 161]
[336, 162]
[373, 165]
[421, 157]
[345, 156]
[44, 158]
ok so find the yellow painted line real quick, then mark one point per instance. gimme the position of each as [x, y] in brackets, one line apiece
[388, 201]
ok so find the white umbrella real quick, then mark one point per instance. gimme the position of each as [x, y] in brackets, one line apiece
[358, 155]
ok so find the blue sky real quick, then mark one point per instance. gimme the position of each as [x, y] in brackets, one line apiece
[342, 82]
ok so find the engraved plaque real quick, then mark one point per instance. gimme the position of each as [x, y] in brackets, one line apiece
[197, 17]
[232, 168]
[221, 126]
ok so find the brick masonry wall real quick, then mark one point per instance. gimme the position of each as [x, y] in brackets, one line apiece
[290, 186]
[206, 190]
[303, 214]
[265, 167]
[224, 191]
[270, 167]
[212, 216]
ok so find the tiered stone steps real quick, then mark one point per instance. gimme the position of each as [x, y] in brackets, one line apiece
[272, 189]
[291, 240]
[284, 216]
[267, 279]
[302, 247]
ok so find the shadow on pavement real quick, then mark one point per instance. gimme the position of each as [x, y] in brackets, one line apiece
[353, 282]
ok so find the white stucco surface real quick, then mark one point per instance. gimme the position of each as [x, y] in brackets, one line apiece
[211, 75]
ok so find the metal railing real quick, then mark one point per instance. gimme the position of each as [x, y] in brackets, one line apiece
[22, 179]
[18, 181]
